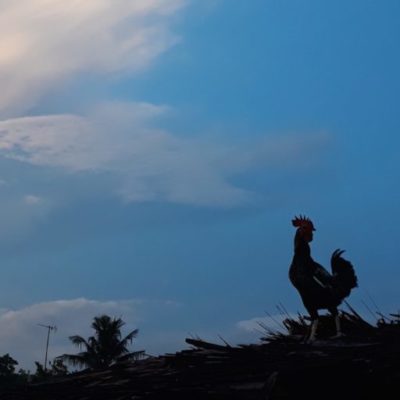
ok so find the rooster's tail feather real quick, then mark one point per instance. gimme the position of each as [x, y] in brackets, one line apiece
[343, 273]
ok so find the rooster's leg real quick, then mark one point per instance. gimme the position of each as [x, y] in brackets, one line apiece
[314, 327]
[337, 323]
[338, 329]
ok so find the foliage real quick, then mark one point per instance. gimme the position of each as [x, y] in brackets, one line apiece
[57, 369]
[7, 365]
[8, 376]
[40, 371]
[104, 348]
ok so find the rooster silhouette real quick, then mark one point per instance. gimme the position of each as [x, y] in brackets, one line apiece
[317, 287]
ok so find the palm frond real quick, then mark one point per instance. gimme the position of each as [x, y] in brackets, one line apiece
[76, 360]
[79, 341]
[129, 337]
[133, 356]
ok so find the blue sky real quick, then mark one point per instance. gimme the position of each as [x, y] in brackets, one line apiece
[153, 153]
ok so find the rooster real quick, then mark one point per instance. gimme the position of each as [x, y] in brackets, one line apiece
[317, 287]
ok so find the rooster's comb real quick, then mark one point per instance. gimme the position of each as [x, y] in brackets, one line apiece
[302, 222]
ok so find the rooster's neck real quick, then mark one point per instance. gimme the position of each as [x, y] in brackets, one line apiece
[301, 246]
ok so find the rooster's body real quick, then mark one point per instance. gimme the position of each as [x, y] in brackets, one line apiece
[317, 287]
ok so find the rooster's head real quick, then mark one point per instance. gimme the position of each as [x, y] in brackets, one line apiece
[304, 227]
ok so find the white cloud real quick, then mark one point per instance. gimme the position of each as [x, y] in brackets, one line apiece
[149, 164]
[32, 200]
[43, 43]
[24, 339]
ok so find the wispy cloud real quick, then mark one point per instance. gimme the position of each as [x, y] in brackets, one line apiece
[43, 44]
[149, 163]
[32, 200]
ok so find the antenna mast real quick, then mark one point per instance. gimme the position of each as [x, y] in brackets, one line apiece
[49, 329]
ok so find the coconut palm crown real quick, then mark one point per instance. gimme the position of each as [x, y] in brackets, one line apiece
[106, 346]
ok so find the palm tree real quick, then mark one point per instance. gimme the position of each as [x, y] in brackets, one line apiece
[105, 347]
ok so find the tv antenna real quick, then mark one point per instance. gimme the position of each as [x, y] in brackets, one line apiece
[49, 329]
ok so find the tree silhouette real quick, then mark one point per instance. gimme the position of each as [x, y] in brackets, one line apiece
[7, 365]
[106, 346]
[57, 368]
